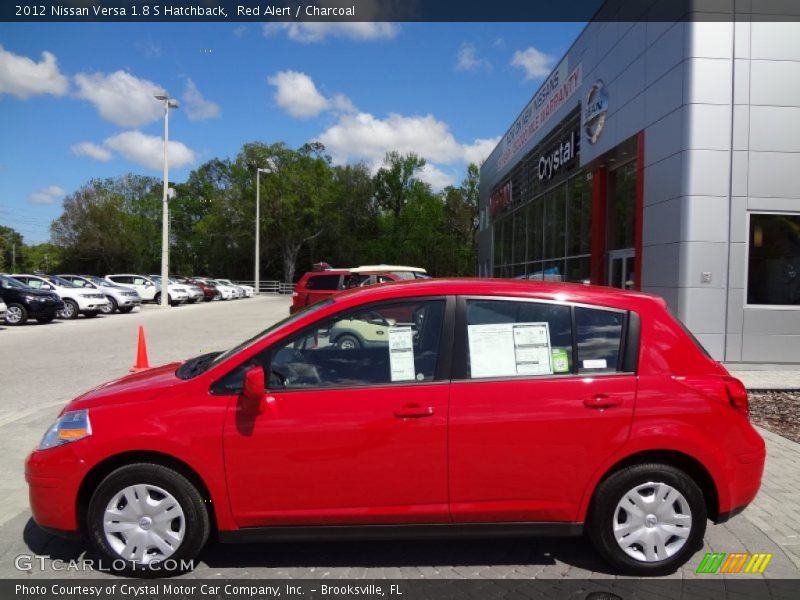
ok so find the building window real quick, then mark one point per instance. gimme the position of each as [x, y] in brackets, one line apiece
[773, 272]
[621, 206]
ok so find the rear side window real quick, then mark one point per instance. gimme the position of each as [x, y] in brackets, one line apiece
[323, 282]
[599, 337]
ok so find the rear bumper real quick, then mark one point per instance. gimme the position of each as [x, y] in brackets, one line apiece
[744, 476]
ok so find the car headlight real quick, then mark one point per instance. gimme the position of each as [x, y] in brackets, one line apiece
[69, 427]
[30, 298]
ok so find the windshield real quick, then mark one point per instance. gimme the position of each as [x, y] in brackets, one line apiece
[206, 362]
[7, 282]
[101, 282]
[58, 281]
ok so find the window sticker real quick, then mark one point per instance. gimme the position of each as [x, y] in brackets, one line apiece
[560, 361]
[508, 349]
[595, 363]
[401, 354]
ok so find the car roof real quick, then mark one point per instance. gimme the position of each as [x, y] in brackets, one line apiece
[385, 268]
[545, 290]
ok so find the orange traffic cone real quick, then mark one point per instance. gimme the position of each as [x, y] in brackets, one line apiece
[142, 363]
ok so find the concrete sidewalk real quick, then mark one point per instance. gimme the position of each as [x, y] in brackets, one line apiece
[767, 379]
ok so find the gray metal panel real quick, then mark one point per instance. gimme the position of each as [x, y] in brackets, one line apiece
[664, 95]
[661, 265]
[714, 343]
[773, 175]
[708, 81]
[735, 311]
[738, 219]
[741, 82]
[774, 83]
[703, 257]
[770, 321]
[775, 128]
[771, 348]
[738, 265]
[666, 52]
[709, 39]
[706, 172]
[702, 310]
[733, 348]
[661, 223]
[789, 204]
[742, 32]
[705, 219]
[664, 137]
[663, 179]
[775, 41]
[708, 126]
[740, 176]
[741, 127]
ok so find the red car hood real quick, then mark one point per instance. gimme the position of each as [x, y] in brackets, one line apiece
[137, 387]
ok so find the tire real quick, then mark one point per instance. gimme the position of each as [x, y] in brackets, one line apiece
[45, 320]
[157, 299]
[16, 314]
[613, 507]
[125, 309]
[347, 342]
[70, 310]
[112, 306]
[182, 537]
[91, 314]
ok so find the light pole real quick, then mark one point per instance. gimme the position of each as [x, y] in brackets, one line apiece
[270, 169]
[168, 103]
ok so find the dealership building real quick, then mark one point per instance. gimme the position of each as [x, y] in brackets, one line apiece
[663, 157]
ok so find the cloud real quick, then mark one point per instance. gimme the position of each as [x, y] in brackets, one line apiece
[92, 151]
[120, 97]
[148, 150]
[312, 32]
[197, 107]
[365, 137]
[435, 177]
[467, 59]
[536, 64]
[46, 195]
[297, 94]
[149, 48]
[240, 31]
[23, 77]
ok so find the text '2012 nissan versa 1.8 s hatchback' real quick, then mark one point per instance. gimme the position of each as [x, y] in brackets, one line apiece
[456, 407]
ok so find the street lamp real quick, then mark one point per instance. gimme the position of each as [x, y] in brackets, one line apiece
[270, 169]
[168, 103]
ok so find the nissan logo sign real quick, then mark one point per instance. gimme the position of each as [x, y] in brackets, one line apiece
[595, 111]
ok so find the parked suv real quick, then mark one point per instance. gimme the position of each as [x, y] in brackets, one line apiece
[320, 284]
[144, 286]
[177, 294]
[77, 301]
[119, 298]
[489, 407]
[23, 302]
[210, 291]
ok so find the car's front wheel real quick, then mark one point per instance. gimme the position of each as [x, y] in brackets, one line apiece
[109, 308]
[70, 310]
[348, 342]
[648, 519]
[16, 314]
[144, 514]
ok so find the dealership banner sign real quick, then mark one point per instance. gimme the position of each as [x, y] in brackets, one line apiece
[554, 93]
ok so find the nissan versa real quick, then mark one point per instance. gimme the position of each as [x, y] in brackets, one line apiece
[478, 408]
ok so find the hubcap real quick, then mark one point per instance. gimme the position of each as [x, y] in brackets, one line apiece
[68, 311]
[347, 344]
[107, 308]
[14, 314]
[144, 523]
[652, 522]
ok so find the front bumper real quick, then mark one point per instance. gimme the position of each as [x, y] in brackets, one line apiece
[125, 301]
[53, 478]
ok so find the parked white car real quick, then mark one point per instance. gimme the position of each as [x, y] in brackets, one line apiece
[178, 294]
[195, 293]
[144, 286]
[76, 300]
[119, 298]
[241, 290]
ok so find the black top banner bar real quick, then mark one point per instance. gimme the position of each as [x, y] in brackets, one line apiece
[68, 11]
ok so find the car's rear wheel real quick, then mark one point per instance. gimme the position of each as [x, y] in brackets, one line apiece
[348, 342]
[109, 308]
[70, 310]
[648, 519]
[142, 515]
[16, 314]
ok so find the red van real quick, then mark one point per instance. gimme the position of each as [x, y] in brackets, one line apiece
[495, 408]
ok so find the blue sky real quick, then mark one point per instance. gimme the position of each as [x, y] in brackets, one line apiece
[75, 100]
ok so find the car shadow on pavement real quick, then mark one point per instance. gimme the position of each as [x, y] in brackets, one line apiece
[450, 557]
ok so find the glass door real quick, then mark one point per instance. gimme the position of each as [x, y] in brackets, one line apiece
[621, 265]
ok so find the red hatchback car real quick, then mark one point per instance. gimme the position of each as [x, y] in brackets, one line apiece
[491, 408]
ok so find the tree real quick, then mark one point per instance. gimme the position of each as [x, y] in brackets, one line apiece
[10, 245]
[396, 182]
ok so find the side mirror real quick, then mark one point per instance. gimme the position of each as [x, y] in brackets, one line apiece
[47, 286]
[253, 394]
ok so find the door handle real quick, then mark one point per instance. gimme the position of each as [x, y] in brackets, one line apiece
[602, 401]
[413, 411]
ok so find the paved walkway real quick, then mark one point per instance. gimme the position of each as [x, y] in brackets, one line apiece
[768, 379]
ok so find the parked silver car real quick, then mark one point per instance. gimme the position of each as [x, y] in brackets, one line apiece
[120, 298]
